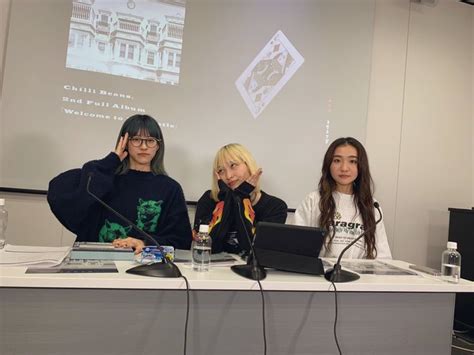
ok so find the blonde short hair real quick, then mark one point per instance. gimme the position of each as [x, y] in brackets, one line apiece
[232, 152]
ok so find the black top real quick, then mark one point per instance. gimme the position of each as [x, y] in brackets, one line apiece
[233, 217]
[155, 203]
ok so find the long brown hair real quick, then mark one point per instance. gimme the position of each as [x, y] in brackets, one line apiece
[362, 189]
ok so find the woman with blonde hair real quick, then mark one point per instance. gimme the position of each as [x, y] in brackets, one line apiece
[235, 202]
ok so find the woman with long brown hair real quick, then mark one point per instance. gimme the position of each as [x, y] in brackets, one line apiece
[344, 205]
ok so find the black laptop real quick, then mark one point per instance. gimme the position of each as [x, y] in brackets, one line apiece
[289, 248]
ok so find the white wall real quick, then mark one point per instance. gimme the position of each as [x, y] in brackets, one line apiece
[419, 135]
[386, 104]
[436, 140]
[4, 11]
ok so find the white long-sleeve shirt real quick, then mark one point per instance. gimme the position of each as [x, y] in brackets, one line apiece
[348, 225]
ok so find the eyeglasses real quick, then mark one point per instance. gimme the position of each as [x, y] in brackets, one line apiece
[150, 142]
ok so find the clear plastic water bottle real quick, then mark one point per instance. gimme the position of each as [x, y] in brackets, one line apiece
[3, 223]
[451, 263]
[201, 249]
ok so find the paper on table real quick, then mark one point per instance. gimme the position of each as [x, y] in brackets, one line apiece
[23, 255]
[374, 267]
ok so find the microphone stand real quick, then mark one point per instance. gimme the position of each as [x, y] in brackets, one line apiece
[165, 268]
[251, 270]
[336, 274]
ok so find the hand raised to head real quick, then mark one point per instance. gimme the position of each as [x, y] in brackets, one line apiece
[121, 148]
[253, 179]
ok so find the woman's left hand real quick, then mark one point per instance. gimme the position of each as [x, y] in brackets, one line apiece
[129, 242]
[253, 179]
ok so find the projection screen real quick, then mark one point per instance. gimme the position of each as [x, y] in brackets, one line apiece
[282, 77]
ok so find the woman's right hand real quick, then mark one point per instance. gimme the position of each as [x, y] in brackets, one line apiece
[136, 244]
[121, 148]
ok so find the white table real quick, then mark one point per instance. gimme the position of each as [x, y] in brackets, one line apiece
[127, 314]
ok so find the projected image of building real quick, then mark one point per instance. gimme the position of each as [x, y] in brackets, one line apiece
[136, 39]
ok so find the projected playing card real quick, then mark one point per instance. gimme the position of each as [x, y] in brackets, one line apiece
[271, 69]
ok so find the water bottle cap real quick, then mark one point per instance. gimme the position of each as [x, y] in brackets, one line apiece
[452, 245]
[203, 228]
[2, 202]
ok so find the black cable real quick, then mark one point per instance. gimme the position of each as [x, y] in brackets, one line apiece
[335, 319]
[258, 281]
[336, 275]
[468, 327]
[263, 318]
[187, 314]
[461, 348]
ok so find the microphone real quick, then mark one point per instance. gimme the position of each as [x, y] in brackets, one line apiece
[336, 274]
[251, 270]
[165, 268]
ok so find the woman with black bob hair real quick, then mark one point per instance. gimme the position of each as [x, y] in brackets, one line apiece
[344, 204]
[144, 123]
[132, 180]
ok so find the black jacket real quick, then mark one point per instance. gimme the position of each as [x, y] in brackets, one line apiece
[234, 212]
